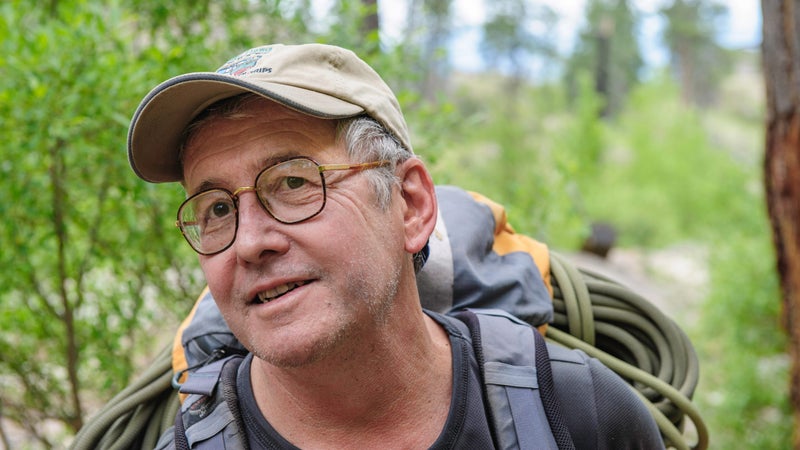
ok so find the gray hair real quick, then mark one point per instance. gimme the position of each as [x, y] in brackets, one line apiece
[367, 140]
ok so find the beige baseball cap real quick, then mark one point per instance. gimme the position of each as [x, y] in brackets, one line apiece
[319, 80]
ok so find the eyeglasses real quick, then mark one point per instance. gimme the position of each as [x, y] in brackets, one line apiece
[290, 191]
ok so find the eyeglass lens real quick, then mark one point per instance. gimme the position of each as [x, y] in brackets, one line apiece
[291, 191]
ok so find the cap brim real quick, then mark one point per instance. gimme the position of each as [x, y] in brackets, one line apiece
[158, 123]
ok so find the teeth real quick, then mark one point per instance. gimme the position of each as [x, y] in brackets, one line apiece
[271, 294]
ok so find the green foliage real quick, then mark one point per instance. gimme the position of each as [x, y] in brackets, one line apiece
[75, 307]
[507, 35]
[607, 49]
[513, 154]
[582, 143]
[664, 181]
[204, 25]
[690, 36]
[658, 138]
[347, 27]
[95, 272]
[744, 391]
[427, 33]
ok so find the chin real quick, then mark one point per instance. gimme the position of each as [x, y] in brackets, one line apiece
[301, 350]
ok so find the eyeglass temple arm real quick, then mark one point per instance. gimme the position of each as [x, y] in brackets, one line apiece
[361, 166]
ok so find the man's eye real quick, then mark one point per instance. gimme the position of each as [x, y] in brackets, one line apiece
[220, 209]
[295, 182]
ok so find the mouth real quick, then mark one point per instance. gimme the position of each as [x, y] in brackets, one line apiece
[278, 291]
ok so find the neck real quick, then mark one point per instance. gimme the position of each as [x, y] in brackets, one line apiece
[398, 387]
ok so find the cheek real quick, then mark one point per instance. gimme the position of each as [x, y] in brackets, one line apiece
[366, 229]
[379, 245]
[218, 275]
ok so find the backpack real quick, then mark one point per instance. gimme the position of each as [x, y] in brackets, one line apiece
[516, 384]
[476, 261]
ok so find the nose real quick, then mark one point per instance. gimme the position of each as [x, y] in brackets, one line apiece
[258, 235]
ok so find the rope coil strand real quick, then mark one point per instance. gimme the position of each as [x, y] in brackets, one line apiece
[634, 339]
[138, 415]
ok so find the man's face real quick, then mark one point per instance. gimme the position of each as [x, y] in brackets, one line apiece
[331, 280]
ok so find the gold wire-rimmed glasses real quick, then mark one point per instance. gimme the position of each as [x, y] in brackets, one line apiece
[291, 191]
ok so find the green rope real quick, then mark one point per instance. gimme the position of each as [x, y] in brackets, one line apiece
[634, 339]
[578, 303]
[138, 415]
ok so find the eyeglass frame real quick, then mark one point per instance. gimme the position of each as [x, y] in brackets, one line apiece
[234, 196]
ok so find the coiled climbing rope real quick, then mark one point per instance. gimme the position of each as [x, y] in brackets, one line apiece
[634, 339]
[138, 415]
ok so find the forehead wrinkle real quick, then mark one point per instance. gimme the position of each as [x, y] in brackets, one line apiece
[256, 169]
[272, 125]
[284, 133]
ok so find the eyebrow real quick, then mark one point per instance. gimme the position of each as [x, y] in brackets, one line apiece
[215, 183]
[204, 186]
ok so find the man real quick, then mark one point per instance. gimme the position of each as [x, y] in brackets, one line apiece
[311, 216]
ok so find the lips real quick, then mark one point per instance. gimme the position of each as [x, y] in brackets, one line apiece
[271, 294]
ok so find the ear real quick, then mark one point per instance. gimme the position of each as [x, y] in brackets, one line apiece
[419, 199]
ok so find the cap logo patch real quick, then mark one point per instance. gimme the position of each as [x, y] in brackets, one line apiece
[242, 64]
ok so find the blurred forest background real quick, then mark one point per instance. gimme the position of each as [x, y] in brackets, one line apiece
[96, 278]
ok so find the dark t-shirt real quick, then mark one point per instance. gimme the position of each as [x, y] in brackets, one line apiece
[611, 417]
[466, 425]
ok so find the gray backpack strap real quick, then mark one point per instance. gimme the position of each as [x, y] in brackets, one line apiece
[209, 418]
[507, 354]
[552, 405]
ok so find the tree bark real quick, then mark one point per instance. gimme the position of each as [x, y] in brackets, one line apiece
[602, 71]
[67, 314]
[781, 59]
[371, 23]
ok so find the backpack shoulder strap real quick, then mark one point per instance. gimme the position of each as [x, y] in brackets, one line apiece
[518, 383]
[552, 407]
[210, 417]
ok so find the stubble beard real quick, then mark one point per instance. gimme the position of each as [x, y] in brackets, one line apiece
[342, 334]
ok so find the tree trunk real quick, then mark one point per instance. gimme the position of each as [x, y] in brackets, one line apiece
[371, 23]
[67, 313]
[686, 73]
[781, 58]
[605, 33]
